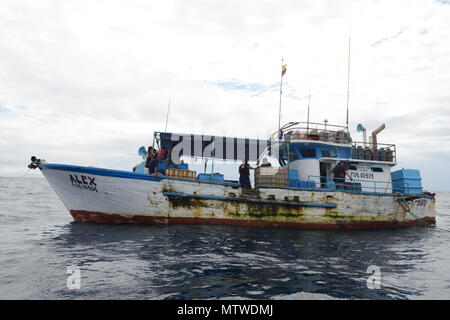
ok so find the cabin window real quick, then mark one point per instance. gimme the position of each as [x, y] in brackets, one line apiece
[377, 169]
[333, 152]
[308, 153]
[325, 153]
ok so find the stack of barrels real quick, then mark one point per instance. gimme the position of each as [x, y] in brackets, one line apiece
[322, 135]
[366, 153]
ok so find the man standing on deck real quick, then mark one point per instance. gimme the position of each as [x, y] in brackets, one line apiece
[339, 173]
[153, 166]
[151, 153]
[244, 175]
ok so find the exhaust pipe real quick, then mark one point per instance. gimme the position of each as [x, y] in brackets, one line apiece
[374, 136]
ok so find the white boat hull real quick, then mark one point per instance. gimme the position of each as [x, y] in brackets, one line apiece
[111, 196]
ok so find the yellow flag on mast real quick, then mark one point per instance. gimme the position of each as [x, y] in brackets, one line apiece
[283, 69]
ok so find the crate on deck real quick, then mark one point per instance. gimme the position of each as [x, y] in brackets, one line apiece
[211, 177]
[180, 173]
[270, 176]
[407, 181]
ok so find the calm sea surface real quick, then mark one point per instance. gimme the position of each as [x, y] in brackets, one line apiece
[39, 241]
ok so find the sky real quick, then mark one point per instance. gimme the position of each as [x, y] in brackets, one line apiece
[87, 82]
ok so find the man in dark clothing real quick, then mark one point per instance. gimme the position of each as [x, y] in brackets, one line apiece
[151, 153]
[339, 173]
[244, 175]
[153, 166]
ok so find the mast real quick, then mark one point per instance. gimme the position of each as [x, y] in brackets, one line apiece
[309, 103]
[348, 81]
[348, 62]
[167, 116]
[283, 71]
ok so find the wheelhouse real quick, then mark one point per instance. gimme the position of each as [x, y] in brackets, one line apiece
[312, 153]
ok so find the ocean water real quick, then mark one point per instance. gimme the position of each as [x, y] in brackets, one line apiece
[39, 242]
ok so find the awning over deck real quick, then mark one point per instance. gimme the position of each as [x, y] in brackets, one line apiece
[225, 148]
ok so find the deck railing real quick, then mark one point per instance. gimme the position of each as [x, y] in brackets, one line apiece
[371, 151]
[312, 131]
[375, 186]
[336, 134]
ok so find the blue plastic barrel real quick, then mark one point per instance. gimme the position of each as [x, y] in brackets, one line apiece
[311, 184]
[302, 184]
[389, 155]
[381, 153]
[293, 174]
[367, 153]
[359, 152]
[294, 183]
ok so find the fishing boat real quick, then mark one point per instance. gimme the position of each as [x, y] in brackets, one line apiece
[299, 189]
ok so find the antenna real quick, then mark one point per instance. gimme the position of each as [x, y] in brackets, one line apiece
[309, 103]
[348, 63]
[167, 116]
